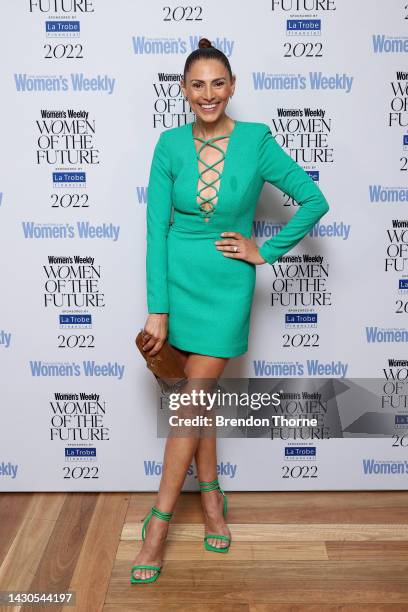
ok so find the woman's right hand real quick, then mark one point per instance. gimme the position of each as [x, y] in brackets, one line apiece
[155, 333]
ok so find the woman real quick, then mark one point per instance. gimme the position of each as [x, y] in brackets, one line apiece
[200, 269]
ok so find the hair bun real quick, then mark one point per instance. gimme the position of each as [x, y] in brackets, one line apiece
[204, 43]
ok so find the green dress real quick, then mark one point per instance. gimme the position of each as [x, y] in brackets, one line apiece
[208, 296]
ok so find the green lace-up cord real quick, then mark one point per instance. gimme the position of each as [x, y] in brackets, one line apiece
[166, 516]
[210, 142]
[213, 486]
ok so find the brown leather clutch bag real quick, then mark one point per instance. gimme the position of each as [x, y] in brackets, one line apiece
[165, 365]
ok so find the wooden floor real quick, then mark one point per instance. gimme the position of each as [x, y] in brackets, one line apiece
[309, 552]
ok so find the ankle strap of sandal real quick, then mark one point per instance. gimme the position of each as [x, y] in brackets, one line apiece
[214, 485]
[166, 516]
[210, 486]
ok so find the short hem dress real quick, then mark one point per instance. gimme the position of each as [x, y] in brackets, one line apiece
[211, 350]
[207, 295]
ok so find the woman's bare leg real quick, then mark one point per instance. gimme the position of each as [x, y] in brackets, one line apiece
[206, 462]
[178, 455]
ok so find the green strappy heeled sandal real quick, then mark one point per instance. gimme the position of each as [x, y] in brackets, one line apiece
[166, 516]
[212, 486]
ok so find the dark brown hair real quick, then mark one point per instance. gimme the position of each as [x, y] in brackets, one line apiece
[206, 51]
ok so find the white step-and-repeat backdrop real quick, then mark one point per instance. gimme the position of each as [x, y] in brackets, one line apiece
[86, 88]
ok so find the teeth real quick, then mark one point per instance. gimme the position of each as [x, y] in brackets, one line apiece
[208, 105]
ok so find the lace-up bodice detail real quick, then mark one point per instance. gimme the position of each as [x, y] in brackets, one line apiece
[208, 203]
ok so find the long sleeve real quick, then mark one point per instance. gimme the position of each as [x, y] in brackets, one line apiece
[279, 169]
[159, 204]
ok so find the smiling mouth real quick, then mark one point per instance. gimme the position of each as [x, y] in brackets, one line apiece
[209, 107]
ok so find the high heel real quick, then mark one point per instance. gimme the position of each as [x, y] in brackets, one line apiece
[213, 486]
[166, 516]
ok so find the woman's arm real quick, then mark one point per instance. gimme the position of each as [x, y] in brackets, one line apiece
[279, 169]
[159, 203]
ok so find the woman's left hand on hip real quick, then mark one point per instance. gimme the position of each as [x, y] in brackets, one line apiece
[237, 246]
